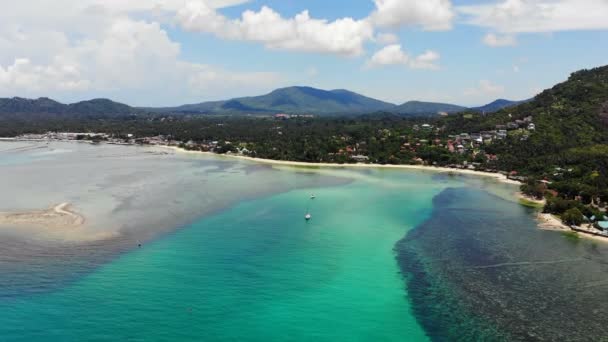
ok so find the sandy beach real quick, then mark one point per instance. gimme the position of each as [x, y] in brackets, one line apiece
[550, 222]
[59, 216]
[497, 176]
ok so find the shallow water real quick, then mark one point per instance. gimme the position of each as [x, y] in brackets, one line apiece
[388, 255]
[255, 271]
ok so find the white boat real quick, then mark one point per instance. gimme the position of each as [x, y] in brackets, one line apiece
[308, 217]
[313, 196]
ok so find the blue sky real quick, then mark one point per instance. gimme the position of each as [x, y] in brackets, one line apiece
[168, 52]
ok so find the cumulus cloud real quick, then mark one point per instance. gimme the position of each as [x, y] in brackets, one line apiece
[527, 16]
[115, 56]
[485, 88]
[387, 38]
[389, 55]
[494, 40]
[394, 55]
[344, 36]
[119, 49]
[431, 15]
[24, 75]
[427, 60]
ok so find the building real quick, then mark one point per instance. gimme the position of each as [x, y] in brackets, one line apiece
[360, 158]
[282, 116]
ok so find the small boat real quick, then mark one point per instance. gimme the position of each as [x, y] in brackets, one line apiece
[308, 217]
[313, 196]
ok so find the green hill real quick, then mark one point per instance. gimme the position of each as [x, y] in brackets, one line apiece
[46, 108]
[293, 100]
[571, 132]
[498, 105]
[420, 108]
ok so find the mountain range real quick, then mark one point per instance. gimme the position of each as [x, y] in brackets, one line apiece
[47, 107]
[307, 100]
[291, 100]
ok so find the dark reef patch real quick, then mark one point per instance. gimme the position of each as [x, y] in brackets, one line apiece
[479, 269]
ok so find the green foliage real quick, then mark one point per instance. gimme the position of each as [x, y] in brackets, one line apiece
[573, 216]
[557, 205]
[534, 189]
[530, 204]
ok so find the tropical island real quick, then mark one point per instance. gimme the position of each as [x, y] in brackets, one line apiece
[555, 144]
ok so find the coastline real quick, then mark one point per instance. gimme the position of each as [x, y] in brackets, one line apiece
[497, 176]
[552, 223]
[62, 220]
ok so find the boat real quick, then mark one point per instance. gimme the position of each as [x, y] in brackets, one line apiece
[313, 196]
[308, 217]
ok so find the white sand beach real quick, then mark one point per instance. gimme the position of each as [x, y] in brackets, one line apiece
[497, 176]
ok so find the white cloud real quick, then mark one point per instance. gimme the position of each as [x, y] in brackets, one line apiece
[427, 60]
[494, 40]
[24, 75]
[431, 15]
[389, 55]
[527, 16]
[73, 49]
[124, 58]
[344, 36]
[485, 88]
[394, 55]
[387, 38]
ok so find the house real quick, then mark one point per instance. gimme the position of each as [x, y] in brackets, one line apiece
[360, 158]
[603, 225]
[281, 116]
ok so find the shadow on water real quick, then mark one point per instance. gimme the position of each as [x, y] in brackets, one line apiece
[480, 269]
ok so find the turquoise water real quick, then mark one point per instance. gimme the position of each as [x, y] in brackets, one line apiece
[255, 272]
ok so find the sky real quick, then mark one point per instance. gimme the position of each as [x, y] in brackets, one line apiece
[171, 52]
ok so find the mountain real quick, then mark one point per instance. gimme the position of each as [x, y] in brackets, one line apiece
[293, 100]
[419, 108]
[498, 105]
[17, 105]
[45, 107]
